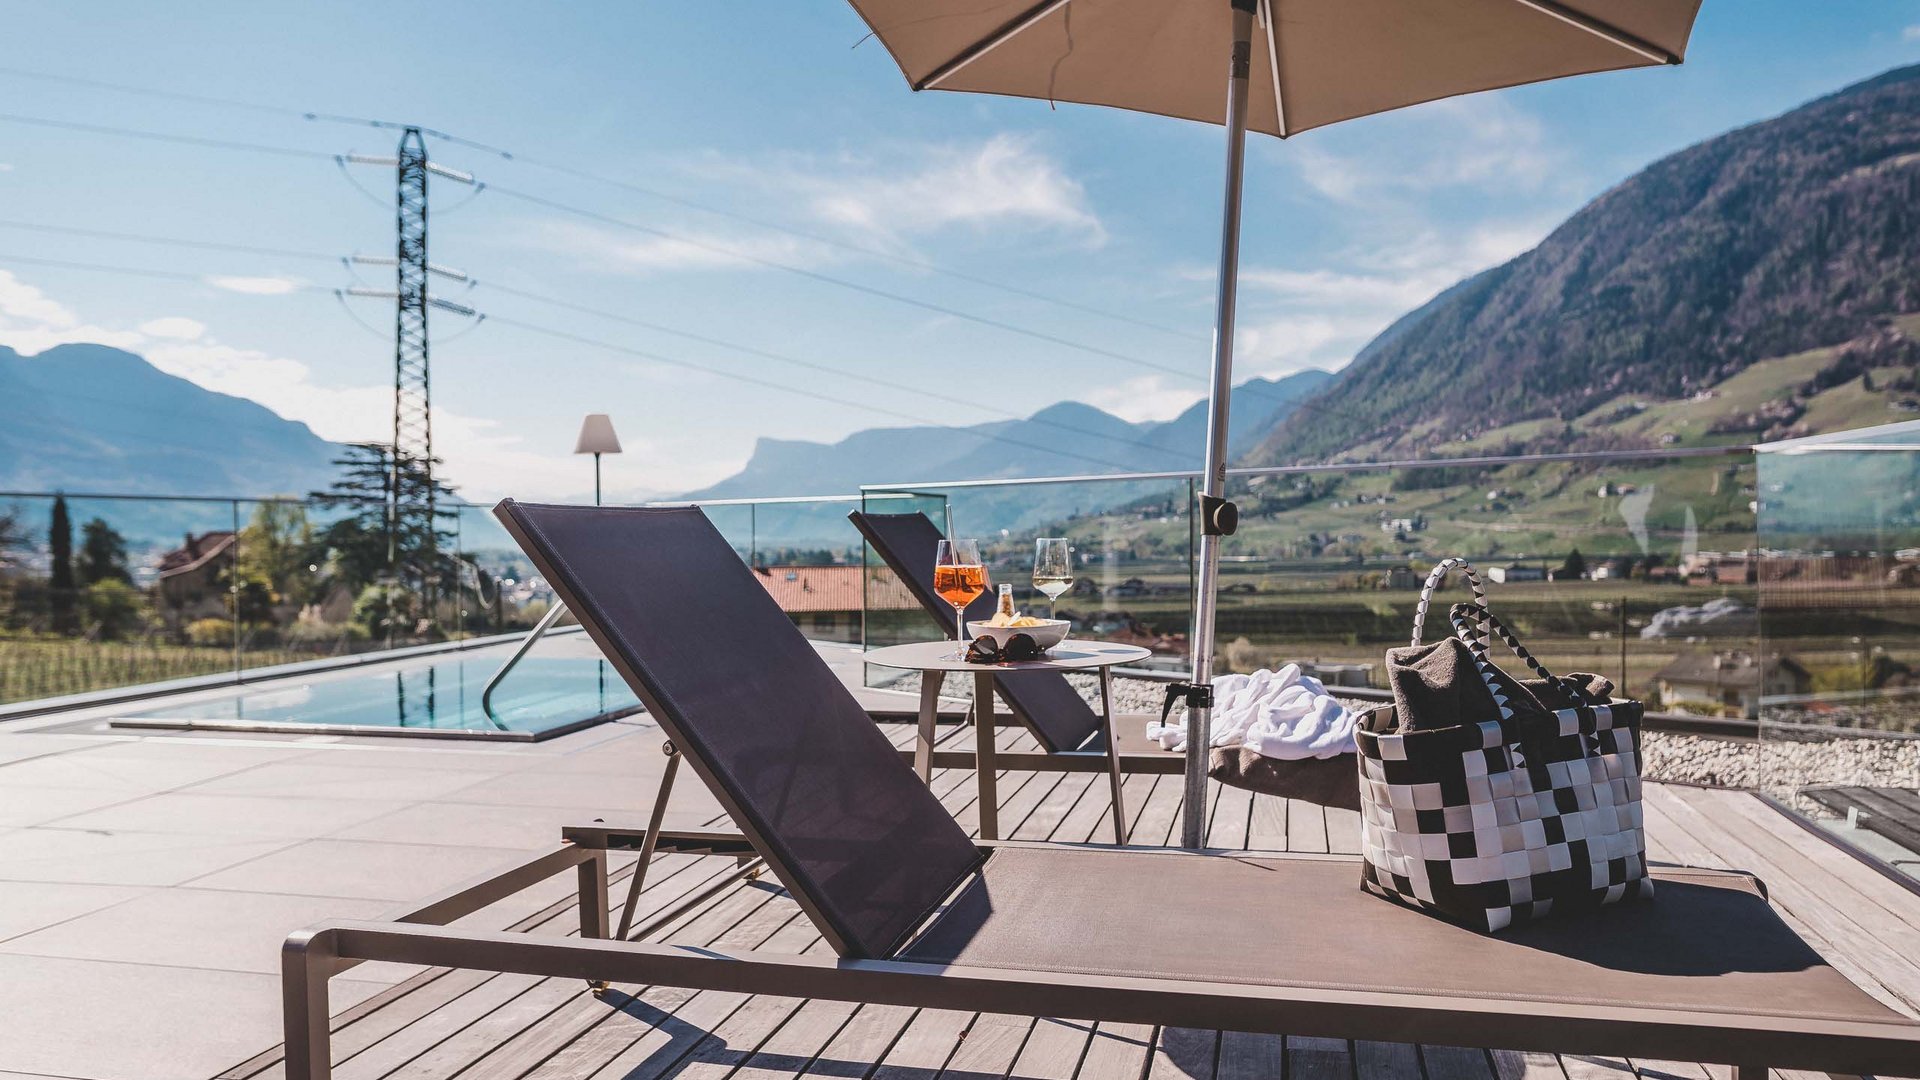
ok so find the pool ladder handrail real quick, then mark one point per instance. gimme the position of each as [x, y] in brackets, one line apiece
[526, 644]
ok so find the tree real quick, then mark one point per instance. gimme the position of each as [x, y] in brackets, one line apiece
[113, 608]
[274, 554]
[60, 574]
[366, 547]
[103, 554]
[1574, 568]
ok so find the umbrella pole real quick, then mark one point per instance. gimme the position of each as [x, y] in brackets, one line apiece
[1217, 516]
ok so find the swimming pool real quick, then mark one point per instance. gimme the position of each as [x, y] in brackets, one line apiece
[559, 687]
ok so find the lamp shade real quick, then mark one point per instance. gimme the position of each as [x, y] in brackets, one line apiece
[596, 436]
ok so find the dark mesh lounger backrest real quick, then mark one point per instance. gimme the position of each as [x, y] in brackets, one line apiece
[1043, 700]
[860, 842]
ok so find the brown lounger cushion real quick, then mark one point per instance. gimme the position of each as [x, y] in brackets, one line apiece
[1711, 943]
[1333, 781]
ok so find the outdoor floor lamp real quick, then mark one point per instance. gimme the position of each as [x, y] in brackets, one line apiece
[596, 438]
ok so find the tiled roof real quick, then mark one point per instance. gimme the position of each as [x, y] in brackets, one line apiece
[197, 551]
[834, 588]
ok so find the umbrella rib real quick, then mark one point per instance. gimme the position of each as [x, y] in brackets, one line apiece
[1006, 32]
[1272, 22]
[1604, 30]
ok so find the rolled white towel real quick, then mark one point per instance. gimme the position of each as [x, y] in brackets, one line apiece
[1282, 714]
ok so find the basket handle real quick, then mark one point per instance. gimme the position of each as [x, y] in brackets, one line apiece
[1463, 615]
[1434, 579]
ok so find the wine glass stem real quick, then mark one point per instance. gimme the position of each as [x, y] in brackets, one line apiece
[960, 627]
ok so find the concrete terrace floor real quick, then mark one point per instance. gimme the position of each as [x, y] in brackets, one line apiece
[146, 884]
[147, 880]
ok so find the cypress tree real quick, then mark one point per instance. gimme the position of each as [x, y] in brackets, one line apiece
[60, 576]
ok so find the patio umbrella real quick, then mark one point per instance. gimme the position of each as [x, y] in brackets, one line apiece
[1290, 65]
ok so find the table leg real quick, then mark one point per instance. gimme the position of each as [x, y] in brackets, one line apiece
[930, 683]
[1113, 756]
[983, 762]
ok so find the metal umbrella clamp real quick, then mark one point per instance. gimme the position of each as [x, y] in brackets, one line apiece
[1318, 62]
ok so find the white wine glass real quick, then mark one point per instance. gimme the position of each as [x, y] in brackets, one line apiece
[1052, 568]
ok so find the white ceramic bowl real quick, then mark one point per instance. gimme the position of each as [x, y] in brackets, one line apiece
[1049, 633]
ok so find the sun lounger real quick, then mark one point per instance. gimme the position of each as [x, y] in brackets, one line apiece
[1062, 722]
[921, 916]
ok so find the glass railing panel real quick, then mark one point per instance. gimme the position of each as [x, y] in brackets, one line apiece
[1618, 568]
[1132, 544]
[143, 596]
[1839, 679]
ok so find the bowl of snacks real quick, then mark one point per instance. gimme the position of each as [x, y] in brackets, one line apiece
[1045, 633]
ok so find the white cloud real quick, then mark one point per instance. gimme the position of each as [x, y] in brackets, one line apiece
[1004, 180]
[634, 251]
[1911, 33]
[254, 286]
[33, 322]
[921, 191]
[174, 328]
[1483, 142]
[1295, 318]
[1147, 397]
[5, 167]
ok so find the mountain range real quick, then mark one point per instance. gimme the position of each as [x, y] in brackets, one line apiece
[1066, 439]
[1792, 234]
[89, 418]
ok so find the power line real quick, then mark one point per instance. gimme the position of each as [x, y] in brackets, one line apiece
[873, 380]
[643, 354]
[171, 241]
[641, 189]
[555, 301]
[814, 275]
[174, 275]
[161, 136]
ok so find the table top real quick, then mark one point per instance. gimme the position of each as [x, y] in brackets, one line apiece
[1069, 655]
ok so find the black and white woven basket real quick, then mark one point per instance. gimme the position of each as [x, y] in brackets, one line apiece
[1526, 812]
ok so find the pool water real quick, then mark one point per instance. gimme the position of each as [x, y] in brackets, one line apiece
[543, 695]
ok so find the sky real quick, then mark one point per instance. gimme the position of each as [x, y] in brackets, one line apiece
[761, 233]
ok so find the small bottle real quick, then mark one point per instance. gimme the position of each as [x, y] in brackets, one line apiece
[1005, 610]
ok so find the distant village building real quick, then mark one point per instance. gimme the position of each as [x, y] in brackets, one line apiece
[1728, 683]
[192, 577]
[1516, 572]
[825, 602]
[1399, 525]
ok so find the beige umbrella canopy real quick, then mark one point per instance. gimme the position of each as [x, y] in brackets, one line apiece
[1314, 62]
[1287, 66]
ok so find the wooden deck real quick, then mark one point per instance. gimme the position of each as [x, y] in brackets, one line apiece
[484, 1026]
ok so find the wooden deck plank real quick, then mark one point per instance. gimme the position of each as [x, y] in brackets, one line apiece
[1526, 1065]
[989, 1047]
[1053, 1050]
[551, 1015]
[925, 1045]
[1267, 829]
[1343, 830]
[676, 1025]
[1232, 812]
[1455, 1063]
[1247, 1056]
[865, 1038]
[1319, 1059]
[1851, 933]
[1388, 1061]
[1119, 1051]
[1306, 827]
[1183, 1054]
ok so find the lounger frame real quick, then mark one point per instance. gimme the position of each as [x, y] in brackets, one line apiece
[417, 935]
